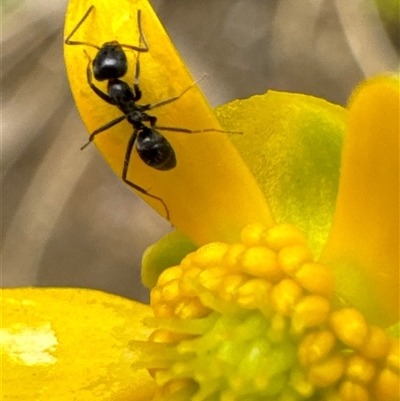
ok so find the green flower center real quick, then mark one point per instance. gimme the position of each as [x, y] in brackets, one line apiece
[254, 321]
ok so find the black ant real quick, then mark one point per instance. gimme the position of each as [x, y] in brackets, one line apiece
[153, 148]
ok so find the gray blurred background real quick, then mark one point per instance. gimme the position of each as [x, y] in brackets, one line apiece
[67, 220]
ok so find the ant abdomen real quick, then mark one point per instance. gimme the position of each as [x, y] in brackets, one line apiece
[155, 150]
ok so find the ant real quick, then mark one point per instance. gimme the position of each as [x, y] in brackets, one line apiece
[111, 64]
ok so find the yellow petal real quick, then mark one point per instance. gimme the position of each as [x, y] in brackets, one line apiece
[71, 344]
[364, 243]
[210, 182]
[292, 145]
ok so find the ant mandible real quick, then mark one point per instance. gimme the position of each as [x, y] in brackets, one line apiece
[111, 64]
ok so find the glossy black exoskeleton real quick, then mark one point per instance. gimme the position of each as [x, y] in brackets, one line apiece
[110, 60]
[153, 148]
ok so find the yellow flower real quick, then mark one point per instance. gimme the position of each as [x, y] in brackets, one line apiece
[260, 311]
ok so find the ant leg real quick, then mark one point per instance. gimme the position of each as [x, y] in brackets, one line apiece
[200, 131]
[95, 89]
[142, 38]
[67, 41]
[153, 121]
[136, 88]
[172, 99]
[103, 128]
[127, 160]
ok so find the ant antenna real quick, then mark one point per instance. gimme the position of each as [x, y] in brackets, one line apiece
[142, 37]
[68, 40]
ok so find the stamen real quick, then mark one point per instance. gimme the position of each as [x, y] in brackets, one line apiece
[255, 321]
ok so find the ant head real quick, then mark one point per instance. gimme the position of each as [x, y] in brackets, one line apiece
[155, 150]
[110, 62]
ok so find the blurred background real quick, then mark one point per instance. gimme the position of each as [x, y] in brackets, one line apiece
[67, 220]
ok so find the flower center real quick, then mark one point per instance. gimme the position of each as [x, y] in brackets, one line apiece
[256, 321]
